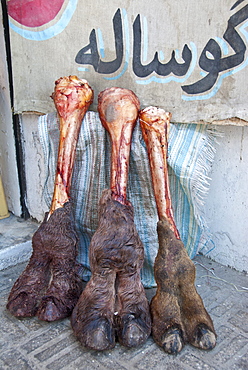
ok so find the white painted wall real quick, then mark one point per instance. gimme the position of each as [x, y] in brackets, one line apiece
[8, 168]
[34, 167]
[164, 28]
[227, 202]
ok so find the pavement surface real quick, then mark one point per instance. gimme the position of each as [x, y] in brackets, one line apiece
[33, 344]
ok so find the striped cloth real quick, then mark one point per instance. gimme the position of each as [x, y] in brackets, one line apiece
[191, 153]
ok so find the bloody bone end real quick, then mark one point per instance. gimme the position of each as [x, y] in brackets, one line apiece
[116, 104]
[118, 109]
[151, 115]
[72, 97]
[155, 127]
[72, 94]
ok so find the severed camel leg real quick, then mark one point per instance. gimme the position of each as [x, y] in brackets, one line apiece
[178, 313]
[114, 301]
[50, 285]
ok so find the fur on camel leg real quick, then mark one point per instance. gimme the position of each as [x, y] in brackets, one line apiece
[53, 260]
[114, 299]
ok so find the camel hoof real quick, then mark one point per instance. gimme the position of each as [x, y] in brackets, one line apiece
[97, 334]
[23, 305]
[172, 341]
[132, 331]
[204, 338]
[102, 337]
[51, 310]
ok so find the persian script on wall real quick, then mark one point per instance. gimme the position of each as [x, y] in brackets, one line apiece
[189, 57]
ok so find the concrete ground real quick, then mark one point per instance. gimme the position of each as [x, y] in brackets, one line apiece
[32, 344]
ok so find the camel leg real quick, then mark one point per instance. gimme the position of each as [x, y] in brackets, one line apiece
[50, 285]
[178, 313]
[116, 251]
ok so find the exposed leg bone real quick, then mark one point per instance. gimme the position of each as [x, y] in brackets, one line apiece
[50, 285]
[118, 110]
[114, 299]
[178, 313]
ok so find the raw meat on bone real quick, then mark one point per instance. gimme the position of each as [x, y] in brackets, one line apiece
[114, 302]
[49, 287]
[178, 313]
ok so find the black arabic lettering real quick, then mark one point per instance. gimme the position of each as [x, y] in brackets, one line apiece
[218, 64]
[236, 4]
[162, 69]
[93, 58]
[210, 61]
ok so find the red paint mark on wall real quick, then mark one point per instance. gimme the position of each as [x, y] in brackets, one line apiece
[34, 13]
